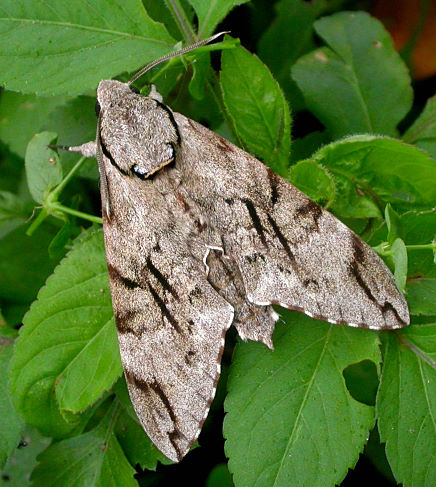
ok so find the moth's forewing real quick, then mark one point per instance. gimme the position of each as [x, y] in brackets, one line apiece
[289, 250]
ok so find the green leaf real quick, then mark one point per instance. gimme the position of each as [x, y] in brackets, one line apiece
[7, 333]
[359, 83]
[57, 245]
[211, 12]
[22, 462]
[303, 148]
[136, 445]
[76, 123]
[159, 12]
[257, 107]
[11, 425]
[43, 169]
[94, 458]
[24, 263]
[21, 116]
[201, 68]
[315, 181]
[422, 132]
[406, 408]
[67, 353]
[393, 222]
[394, 171]
[290, 418]
[12, 174]
[421, 295]
[13, 212]
[418, 228]
[288, 37]
[70, 49]
[219, 477]
[399, 256]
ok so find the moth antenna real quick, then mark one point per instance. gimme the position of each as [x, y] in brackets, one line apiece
[186, 49]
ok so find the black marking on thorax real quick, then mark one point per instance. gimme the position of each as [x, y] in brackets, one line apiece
[109, 156]
[171, 117]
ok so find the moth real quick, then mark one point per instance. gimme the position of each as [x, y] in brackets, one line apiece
[200, 235]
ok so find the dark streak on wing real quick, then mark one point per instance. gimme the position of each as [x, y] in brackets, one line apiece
[164, 310]
[282, 239]
[354, 269]
[273, 182]
[108, 155]
[172, 119]
[117, 276]
[255, 219]
[155, 387]
[161, 278]
[190, 326]
[175, 433]
[358, 249]
[121, 319]
[188, 357]
[310, 208]
[182, 200]
[310, 281]
[223, 145]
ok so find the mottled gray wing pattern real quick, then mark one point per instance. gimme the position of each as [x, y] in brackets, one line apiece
[289, 250]
[171, 322]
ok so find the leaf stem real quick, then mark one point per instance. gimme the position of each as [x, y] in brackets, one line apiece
[182, 21]
[384, 248]
[403, 340]
[430, 246]
[43, 214]
[57, 191]
[70, 211]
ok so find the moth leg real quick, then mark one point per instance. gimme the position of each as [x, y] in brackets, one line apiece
[89, 149]
[253, 322]
[206, 255]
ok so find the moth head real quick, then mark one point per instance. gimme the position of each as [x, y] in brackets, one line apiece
[138, 134]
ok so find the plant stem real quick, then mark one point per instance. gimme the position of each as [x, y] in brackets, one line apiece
[56, 192]
[182, 21]
[43, 214]
[430, 246]
[188, 33]
[403, 340]
[85, 216]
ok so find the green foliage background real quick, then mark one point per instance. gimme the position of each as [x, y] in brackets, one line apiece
[300, 415]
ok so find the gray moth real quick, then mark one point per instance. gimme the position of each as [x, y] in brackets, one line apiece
[200, 235]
